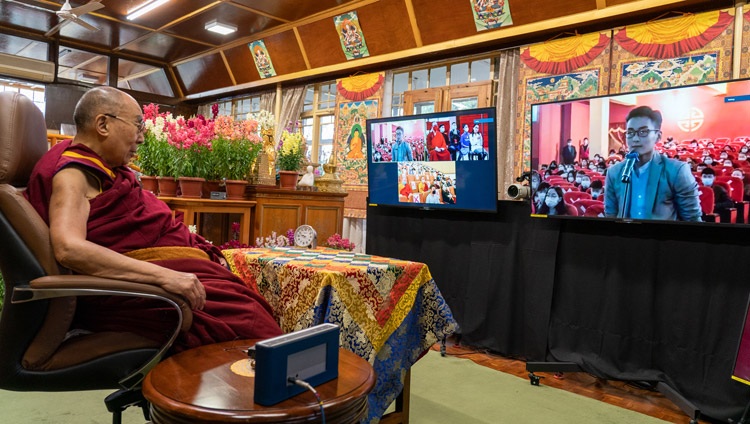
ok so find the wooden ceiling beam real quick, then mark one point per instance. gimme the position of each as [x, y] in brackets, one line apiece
[301, 48]
[229, 68]
[413, 21]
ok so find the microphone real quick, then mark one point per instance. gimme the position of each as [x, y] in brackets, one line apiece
[630, 160]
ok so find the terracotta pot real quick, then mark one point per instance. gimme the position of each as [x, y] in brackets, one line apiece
[288, 179]
[150, 183]
[235, 189]
[191, 187]
[209, 186]
[167, 186]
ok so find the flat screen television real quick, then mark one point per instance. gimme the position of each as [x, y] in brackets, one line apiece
[445, 160]
[696, 171]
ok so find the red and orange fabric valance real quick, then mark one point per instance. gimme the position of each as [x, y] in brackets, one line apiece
[565, 55]
[674, 37]
[360, 87]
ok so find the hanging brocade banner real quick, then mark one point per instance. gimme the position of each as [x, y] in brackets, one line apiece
[668, 38]
[565, 55]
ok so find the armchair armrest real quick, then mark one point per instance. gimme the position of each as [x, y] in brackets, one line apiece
[55, 286]
[52, 286]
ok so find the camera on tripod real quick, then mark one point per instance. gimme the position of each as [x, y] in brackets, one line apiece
[520, 191]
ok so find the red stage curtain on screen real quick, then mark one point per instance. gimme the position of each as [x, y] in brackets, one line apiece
[673, 37]
[564, 55]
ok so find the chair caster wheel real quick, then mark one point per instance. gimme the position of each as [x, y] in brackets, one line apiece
[534, 379]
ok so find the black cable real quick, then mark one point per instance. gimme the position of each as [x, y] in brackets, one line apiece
[309, 387]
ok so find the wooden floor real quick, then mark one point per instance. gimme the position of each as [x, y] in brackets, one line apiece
[616, 393]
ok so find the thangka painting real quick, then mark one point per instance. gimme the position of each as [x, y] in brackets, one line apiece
[561, 69]
[351, 36]
[691, 49]
[745, 55]
[262, 59]
[489, 14]
[358, 98]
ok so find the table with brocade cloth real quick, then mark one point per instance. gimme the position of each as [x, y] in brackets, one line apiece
[390, 311]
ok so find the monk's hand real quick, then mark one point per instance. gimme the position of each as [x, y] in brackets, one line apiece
[188, 286]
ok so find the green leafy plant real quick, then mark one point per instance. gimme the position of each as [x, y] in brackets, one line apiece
[234, 158]
[289, 153]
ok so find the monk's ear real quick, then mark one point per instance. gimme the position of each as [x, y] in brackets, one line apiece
[101, 125]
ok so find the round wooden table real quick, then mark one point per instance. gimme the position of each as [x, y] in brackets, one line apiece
[199, 386]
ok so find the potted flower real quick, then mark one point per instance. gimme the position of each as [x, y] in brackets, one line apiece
[289, 156]
[192, 139]
[337, 242]
[156, 156]
[235, 148]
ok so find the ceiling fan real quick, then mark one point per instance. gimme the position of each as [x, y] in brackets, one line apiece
[69, 14]
[72, 14]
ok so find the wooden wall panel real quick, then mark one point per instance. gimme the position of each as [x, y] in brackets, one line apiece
[321, 43]
[203, 74]
[529, 11]
[443, 20]
[241, 62]
[284, 51]
[381, 35]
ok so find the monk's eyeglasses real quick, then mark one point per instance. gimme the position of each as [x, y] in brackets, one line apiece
[141, 126]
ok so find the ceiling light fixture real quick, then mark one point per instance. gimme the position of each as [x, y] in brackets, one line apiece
[219, 28]
[144, 8]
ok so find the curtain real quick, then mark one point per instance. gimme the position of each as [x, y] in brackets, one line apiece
[268, 101]
[291, 104]
[355, 229]
[507, 107]
[205, 110]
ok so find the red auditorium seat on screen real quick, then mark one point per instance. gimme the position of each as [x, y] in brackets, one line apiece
[731, 215]
[595, 210]
[707, 204]
[572, 196]
[737, 194]
[583, 204]
[572, 211]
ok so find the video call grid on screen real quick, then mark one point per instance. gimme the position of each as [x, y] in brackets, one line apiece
[453, 161]
[704, 126]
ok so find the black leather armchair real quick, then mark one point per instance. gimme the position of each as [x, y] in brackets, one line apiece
[39, 350]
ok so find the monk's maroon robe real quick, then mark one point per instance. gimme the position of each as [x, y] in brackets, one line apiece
[125, 218]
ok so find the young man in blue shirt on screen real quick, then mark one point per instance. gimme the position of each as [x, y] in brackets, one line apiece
[401, 151]
[660, 188]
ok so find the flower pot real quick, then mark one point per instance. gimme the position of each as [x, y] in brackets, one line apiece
[235, 189]
[288, 179]
[167, 186]
[149, 183]
[191, 187]
[209, 186]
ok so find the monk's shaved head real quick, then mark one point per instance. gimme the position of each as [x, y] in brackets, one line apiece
[95, 101]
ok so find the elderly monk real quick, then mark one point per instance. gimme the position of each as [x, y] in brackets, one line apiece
[102, 223]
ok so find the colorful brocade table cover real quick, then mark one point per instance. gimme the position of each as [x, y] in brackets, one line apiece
[390, 311]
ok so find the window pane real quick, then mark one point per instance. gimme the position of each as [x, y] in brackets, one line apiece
[255, 104]
[460, 73]
[400, 83]
[463, 104]
[438, 76]
[397, 111]
[424, 107]
[325, 145]
[480, 70]
[307, 133]
[419, 79]
[307, 106]
[327, 99]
